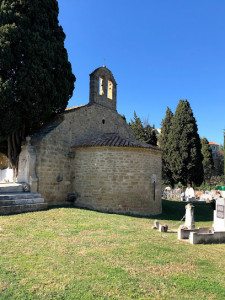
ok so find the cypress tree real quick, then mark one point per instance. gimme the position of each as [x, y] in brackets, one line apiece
[207, 160]
[36, 79]
[138, 128]
[164, 145]
[143, 133]
[185, 146]
[150, 135]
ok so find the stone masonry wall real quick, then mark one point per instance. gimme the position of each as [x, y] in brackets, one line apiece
[91, 121]
[53, 167]
[118, 179]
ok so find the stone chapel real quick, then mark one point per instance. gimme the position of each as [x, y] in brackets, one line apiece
[89, 156]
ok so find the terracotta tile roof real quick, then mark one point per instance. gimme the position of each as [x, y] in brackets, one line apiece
[114, 140]
[212, 143]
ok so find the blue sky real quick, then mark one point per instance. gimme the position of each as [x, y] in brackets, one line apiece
[160, 51]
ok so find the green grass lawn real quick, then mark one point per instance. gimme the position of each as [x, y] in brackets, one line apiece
[68, 253]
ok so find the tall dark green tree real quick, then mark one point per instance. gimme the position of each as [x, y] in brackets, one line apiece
[143, 133]
[150, 135]
[207, 160]
[185, 146]
[36, 79]
[164, 144]
[138, 128]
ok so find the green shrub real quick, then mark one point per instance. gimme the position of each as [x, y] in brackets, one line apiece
[220, 180]
[205, 187]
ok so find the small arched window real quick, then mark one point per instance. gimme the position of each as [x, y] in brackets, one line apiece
[110, 90]
[101, 90]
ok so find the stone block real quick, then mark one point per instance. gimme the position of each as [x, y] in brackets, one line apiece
[207, 238]
[163, 228]
[156, 225]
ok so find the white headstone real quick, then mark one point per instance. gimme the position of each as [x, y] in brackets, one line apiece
[219, 215]
[189, 216]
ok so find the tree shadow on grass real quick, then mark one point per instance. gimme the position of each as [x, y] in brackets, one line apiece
[171, 210]
[174, 211]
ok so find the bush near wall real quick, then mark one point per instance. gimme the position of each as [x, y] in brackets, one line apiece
[3, 161]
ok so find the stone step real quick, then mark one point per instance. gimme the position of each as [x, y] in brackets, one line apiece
[14, 196]
[16, 209]
[11, 187]
[21, 201]
[14, 200]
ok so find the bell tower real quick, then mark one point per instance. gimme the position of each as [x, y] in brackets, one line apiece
[103, 88]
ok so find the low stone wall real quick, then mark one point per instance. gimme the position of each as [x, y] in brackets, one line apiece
[207, 238]
[202, 235]
[118, 179]
[184, 234]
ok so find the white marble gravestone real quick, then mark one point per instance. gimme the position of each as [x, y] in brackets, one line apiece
[189, 216]
[219, 215]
